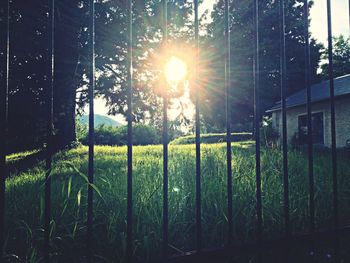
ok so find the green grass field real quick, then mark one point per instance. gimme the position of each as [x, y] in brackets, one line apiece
[24, 200]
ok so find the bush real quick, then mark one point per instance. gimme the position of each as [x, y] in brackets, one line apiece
[295, 141]
[348, 143]
[213, 138]
[145, 135]
[81, 130]
[269, 134]
[109, 135]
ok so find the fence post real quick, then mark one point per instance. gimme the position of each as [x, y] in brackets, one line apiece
[197, 131]
[129, 146]
[91, 91]
[49, 146]
[309, 128]
[165, 146]
[283, 77]
[333, 130]
[228, 122]
[257, 127]
[5, 66]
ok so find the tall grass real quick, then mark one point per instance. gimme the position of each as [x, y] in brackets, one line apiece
[24, 200]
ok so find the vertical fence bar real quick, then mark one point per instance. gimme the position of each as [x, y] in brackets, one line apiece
[49, 146]
[257, 122]
[4, 120]
[333, 134]
[309, 123]
[198, 149]
[228, 122]
[165, 146]
[283, 77]
[333, 130]
[129, 237]
[91, 134]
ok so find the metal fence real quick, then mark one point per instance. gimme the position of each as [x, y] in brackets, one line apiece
[199, 254]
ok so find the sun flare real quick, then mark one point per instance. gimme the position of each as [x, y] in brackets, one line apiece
[175, 70]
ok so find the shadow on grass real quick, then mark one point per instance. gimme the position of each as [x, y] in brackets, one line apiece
[22, 162]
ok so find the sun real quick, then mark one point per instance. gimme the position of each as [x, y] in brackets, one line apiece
[175, 71]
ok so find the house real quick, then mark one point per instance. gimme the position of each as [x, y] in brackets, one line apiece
[321, 113]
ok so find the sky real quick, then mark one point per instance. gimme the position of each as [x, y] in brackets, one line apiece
[318, 29]
[318, 26]
[340, 19]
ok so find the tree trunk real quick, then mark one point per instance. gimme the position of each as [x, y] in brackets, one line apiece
[67, 28]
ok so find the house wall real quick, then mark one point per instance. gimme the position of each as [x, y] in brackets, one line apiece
[342, 119]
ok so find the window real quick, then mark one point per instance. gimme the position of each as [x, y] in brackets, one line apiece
[317, 128]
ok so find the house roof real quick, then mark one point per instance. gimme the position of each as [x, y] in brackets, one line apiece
[319, 92]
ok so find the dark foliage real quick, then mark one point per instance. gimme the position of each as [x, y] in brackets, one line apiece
[341, 58]
[29, 64]
[29, 68]
[242, 47]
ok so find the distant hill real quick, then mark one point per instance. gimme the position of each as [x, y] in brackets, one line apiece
[99, 120]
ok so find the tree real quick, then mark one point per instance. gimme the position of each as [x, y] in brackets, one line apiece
[27, 75]
[242, 40]
[341, 58]
[29, 67]
[29, 63]
[148, 50]
[71, 48]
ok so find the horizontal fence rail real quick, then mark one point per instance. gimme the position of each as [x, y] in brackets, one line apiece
[200, 254]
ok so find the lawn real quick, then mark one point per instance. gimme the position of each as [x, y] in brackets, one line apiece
[24, 200]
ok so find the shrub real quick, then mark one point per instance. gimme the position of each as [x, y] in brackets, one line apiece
[268, 133]
[213, 138]
[145, 135]
[295, 141]
[109, 135]
[81, 130]
[348, 143]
